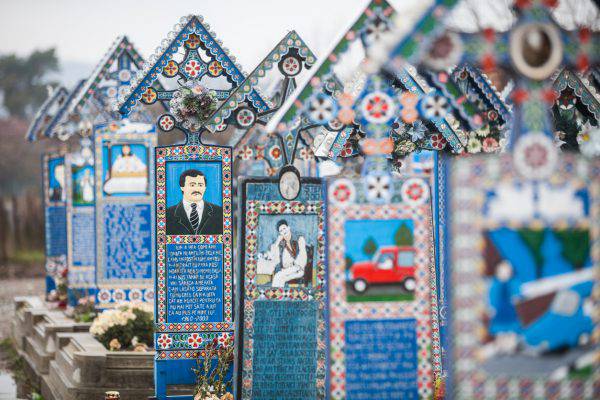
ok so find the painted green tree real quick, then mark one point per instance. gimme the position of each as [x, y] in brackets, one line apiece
[349, 261]
[575, 245]
[370, 246]
[534, 238]
[404, 236]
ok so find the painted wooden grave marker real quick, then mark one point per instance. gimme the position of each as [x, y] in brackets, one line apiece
[383, 321]
[124, 212]
[282, 292]
[81, 228]
[55, 212]
[96, 258]
[194, 225]
[525, 234]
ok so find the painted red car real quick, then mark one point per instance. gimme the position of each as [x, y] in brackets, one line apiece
[390, 265]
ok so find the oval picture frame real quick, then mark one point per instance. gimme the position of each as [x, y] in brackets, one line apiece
[517, 39]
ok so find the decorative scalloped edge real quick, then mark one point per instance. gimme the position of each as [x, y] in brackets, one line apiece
[567, 78]
[241, 93]
[120, 45]
[169, 46]
[59, 118]
[42, 112]
[290, 109]
[488, 89]
[412, 43]
[454, 101]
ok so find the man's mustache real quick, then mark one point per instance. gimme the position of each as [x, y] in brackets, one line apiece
[196, 192]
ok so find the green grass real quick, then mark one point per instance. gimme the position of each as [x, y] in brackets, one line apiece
[23, 256]
[360, 298]
[583, 373]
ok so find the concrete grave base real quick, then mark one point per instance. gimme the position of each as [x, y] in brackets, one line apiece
[68, 363]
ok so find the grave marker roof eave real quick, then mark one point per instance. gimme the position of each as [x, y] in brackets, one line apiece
[242, 93]
[485, 89]
[292, 107]
[593, 76]
[448, 126]
[89, 100]
[59, 120]
[582, 89]
[38, 125]
[477, 48]
[578, 49]
[153, 68]
[407, 42]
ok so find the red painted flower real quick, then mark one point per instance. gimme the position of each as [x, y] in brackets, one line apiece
[489, 34]
[342, 193]
[520, 95]
[415, 191]
[490, 145]
[224, 339]
[164, 341]
[193, 41]
[438, 141]
[377, 107]
[584, 35]
[171, 68]
[549, 96]
[193, 68]
[194, 340]
[583, 62]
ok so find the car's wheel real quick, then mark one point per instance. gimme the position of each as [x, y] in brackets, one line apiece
[360, 285]
[409, 284]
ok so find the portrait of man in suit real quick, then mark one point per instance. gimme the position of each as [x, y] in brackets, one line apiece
[193, 215]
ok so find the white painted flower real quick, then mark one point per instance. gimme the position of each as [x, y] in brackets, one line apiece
[378, 188]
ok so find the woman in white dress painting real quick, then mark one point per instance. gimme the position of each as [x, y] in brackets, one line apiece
[128, 174]
[286, 252]
[86, 183]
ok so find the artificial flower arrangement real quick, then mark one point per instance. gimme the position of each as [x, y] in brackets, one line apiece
[212, 381]
[127, 327]
[192, 105]
[409, 138]
[57, 266]
[85, 310]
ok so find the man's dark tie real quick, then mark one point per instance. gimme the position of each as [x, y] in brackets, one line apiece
[194, 219]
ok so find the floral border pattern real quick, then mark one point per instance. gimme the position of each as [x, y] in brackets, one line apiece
[424, 308]
[191, 153]
[252, 292]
